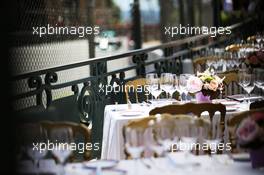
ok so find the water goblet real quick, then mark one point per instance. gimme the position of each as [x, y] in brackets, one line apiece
[62, 139]
[166, 83]
[34, 134]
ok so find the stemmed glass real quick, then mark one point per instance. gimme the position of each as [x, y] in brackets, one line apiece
[165, 137]
[175, 85]
[189, 134]
[183, 89]
[149, 78]
[258, 39]
[34, 134]
[259, 78]
[155, 85]
[213, 136]
[62, 138]
[246, 80]
[166, 82]
[135, 144]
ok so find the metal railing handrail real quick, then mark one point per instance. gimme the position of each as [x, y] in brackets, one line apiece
[121, 55]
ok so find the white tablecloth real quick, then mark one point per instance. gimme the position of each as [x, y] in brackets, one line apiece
[176, 164]
[113, 142]
[219, 165]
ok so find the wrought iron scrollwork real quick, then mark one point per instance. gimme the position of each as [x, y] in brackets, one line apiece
[75, 89]
[140, 61]
[50, 77]
[85, 103]
[36, 82]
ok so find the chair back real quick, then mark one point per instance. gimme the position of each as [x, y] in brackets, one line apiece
[181, 127]
[192, 108]
[142, 125]
[196, 109]
[78, 130]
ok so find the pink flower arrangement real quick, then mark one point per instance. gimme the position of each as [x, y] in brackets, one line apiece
[250, 132]
[194, 84]
[205, 81]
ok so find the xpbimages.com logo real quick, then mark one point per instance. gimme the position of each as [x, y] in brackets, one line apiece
[108, 89]
[79, 147]
[80, 31]
[173, 31]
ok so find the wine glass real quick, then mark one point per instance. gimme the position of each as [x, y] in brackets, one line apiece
[135, 144]
[175, 85]
[189, 134]
[155, 87]
[213, 136]
[183, 89]
[164, 129]
[149, 78]
[247, 81]
[258, 39]
[259, 78]
[166, 82]
[62, 139]
[33, 135]
[241, 80]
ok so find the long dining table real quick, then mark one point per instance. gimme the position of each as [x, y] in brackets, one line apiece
[116, 116]
[169, 165]
[202, 165]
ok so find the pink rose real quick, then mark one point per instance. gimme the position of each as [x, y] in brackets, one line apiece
[194, 84]
[213, 85]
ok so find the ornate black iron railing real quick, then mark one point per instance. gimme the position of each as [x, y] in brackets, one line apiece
[89, 101]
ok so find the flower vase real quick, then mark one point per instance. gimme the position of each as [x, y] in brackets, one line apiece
[201, 98]
[257, 157]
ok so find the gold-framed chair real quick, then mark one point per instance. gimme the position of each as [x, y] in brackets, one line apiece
[179, 120]
[143, 125]
[196, 109]
[193, 108]
[77, 130]
[151, 122]
[233, 122]
[132, 89]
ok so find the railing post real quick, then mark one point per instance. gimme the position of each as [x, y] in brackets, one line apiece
[216, 12]
[136, 26]
[90, 21]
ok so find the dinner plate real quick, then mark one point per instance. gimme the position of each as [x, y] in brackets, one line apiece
[103, 164]
[131, 113]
